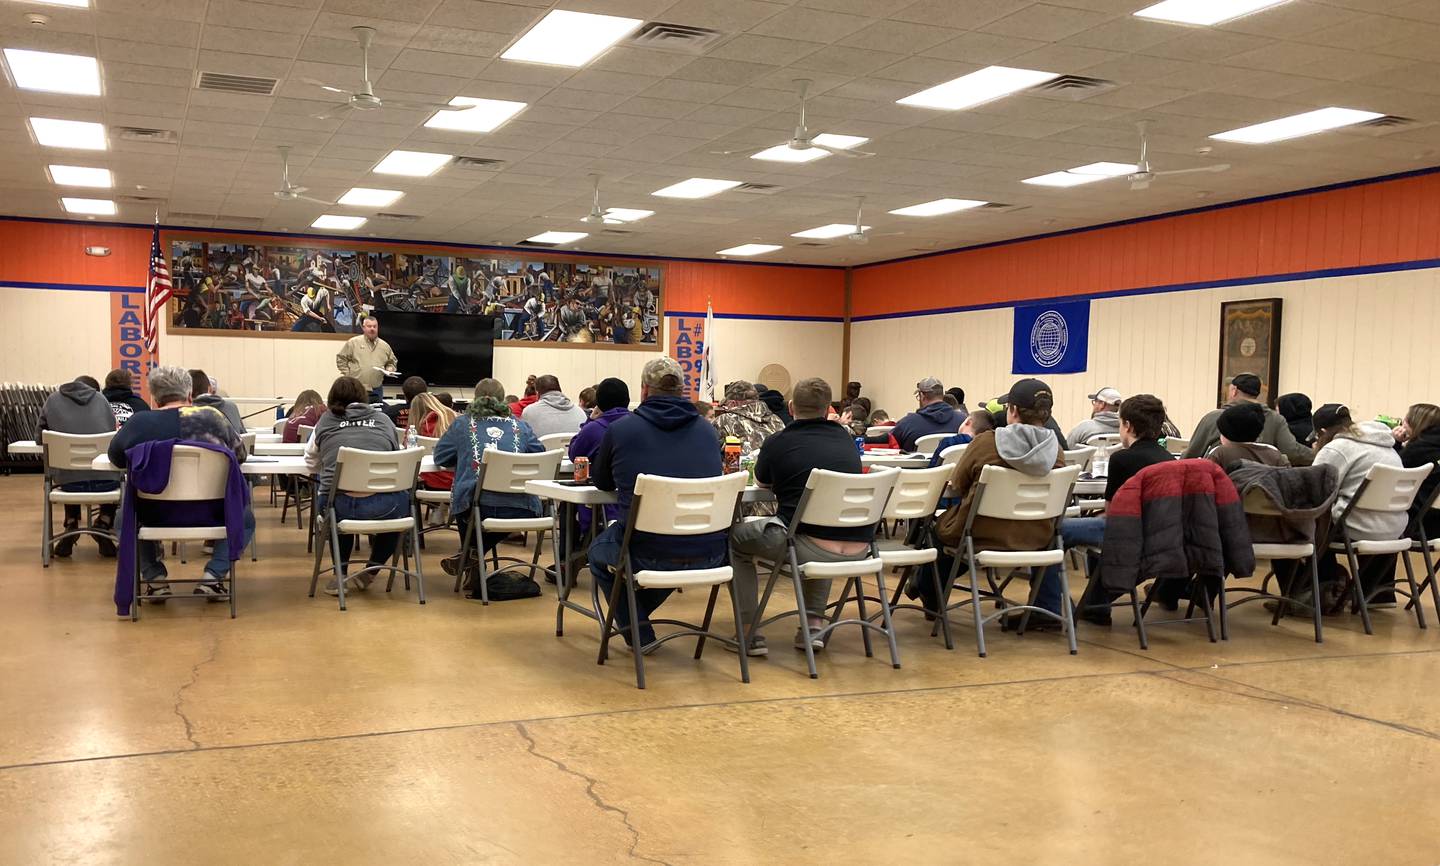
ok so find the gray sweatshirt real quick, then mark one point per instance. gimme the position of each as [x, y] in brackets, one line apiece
[226, 408]
[77, 408]
[553, 413]
[1029, 449]
[364, 427]
[1101, 424]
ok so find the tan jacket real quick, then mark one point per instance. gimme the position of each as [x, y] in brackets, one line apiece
[359, 359]
[990, 533]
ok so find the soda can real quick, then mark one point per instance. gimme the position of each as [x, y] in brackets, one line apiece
[860, 444]
[582, 470]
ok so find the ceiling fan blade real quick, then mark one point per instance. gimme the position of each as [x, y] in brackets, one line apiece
[323, 86]
[840, 151]
[314, 199]
[333, 111]
[742, 150]
[1224, 166]
[409, 105]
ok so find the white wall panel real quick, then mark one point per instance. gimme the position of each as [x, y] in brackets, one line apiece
[53, 336]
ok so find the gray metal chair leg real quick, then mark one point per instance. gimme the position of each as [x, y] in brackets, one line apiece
[419, 565]
[705, 623]
[1359, 591]
[636, 648]
[742, 636]
[47, 527]
[885, 619]
[1315, 613]
[804, 614]
[1414, 590]
[335, 558]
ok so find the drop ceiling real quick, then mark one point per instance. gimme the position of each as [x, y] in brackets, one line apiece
[644, 118]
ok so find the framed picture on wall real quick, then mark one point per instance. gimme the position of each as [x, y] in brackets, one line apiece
[1250, 343]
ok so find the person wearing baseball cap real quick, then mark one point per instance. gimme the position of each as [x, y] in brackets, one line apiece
[1246, 388]
[665, 435]
[933, 416]
[1240, 427]
[1104, 417]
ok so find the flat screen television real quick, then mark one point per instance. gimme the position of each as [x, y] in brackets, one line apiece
[441, 348]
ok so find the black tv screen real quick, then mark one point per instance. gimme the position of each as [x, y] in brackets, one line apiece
[440, 348]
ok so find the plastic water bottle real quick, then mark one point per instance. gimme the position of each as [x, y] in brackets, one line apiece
[412, 438]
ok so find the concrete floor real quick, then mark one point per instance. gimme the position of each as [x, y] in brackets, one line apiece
[452, 733]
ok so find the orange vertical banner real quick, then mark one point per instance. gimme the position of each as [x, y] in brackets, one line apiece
[127, 336]
[685, 343]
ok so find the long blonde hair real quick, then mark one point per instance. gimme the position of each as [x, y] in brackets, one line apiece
[426, 403]
[1421, 417]
[305, 400]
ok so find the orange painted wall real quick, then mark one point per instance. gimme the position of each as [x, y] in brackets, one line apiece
[755, 289]
[1371, 224]
[37, 252]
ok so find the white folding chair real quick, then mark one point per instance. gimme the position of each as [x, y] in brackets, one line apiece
[360, 471]
[506, 472]
[1385, 490]
[431, 499]
[307, 432]
[556, 441]
[1176, 445]
[915, 497]
[279, 426]
[1257, 504]
[878, 431]
[71, 451]
[927, 444]
[1079, 456]
[676, 507]
[248, 439]
[839, 500]
[1104, 440]
[1006, 494]
[196, 475]
[950, 456]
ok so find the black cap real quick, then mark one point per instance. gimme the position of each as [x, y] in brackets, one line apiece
[612, 394]
[1023, 394]
[1243, 422]
[1247, 383]
[1329, 415]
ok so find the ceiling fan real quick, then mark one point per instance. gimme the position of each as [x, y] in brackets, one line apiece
[596, 217]
[804, 138]
[365, 99]
[1144, 175]
[862, 233]
[287, 190]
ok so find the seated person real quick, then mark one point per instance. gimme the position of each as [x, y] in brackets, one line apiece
[120, 391]
[974, 425]
[1104, 418]
[432, 420]
[612, 402]
[1419, 438]
[308, 408]
[663, 436]
[784, 464]
[412, 387]
[352, 422]
[487, 423]
[79, 407]
[1240, 426]
[934, 415]
[174, 417]
[552, 411]
[202, 393]
[745, 417]
[1246, 388]
[1025, 445]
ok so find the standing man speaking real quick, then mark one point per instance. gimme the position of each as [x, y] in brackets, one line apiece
[367, 357]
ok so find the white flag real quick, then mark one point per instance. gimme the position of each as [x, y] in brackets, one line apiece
[707, 357]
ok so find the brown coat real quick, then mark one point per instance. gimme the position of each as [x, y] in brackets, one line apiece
[990, 533]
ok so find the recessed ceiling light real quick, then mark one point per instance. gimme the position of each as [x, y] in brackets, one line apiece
[78, 4]
[54, 73]
[967, 91]
[1092, 173]
[834, 230]
[98, 206]
[485, 115]
[364, 197]
[74, 134]
[626, 214]
[749, 250]
[1204, 11]
[557, 237]
[696, 187]
[74, 175]
[938, 207]
[1297, 125]
[412, 163]
[786, 153]
[336, 221]
[565, 38]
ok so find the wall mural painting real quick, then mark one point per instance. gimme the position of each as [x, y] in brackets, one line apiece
[267, 289]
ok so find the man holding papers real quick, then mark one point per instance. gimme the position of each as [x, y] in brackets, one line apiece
[368, 358]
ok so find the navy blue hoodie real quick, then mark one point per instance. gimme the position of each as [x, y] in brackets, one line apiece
[663, 436]
[935, 418]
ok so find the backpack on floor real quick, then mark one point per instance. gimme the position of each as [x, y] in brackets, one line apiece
[509, 585]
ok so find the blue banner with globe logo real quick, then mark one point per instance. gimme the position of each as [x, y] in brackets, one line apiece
[1052, 338]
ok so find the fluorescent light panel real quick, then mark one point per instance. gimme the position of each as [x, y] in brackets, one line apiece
[484, 115]
[967, 91]
[95, 206]
[1204, 11]
[54, 73]
[938, 207]
[73, 134]
[1092, 173]
[365, 197]
[558, 237]
[834, 230]
[565, 38]
[337, 221]
[626, 214]
[749, 250]
[76, 4]
[696, 187]
[1297, 125]
[74, 175]
[412, 163]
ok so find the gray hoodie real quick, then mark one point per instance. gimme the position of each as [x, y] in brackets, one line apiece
[226, 408]
[1101, 424]
[1352, 457]
[553, 413]
[364, 427]
[77, 408]
[1029, 449]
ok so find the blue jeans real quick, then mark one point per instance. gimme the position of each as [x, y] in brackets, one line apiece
[151, 568]
[605, 554]
[377, 394]
[1047, 597]
[376, 506]
[1075, 532]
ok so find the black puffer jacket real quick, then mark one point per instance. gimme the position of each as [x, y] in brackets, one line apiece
[1419, 451]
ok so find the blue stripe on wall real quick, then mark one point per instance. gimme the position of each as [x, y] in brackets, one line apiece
[68, 287]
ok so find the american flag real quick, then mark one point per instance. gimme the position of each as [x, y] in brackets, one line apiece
[157, 295]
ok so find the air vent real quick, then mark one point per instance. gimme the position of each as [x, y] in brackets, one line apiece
[227, 83]
[479, 162]
[811, 244]
[398, 217]
[152, 136]
[1388, 124]
[190, 217]
[681, 38]
[999, 207]
[616, 232]
[225, 222]
[757, 188]
[1073, 88]
[138, 199]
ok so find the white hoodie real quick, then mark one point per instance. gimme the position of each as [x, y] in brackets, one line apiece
[1352, 458]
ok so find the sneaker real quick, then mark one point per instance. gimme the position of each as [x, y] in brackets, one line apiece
[212, 587]
[1038, 622]
[156, 593]
[332, 587]
[451, 565]
[362, 582]
[816, 642]
[758, 647]
[66, 546]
